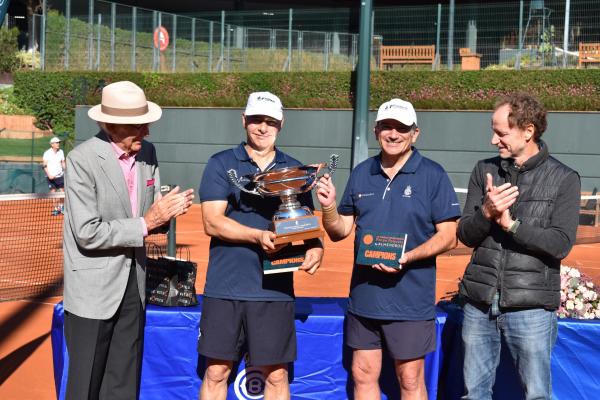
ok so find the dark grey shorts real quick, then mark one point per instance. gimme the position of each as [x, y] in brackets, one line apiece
[405, 340]
[264, 330]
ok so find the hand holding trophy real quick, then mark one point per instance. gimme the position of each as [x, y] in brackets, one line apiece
[291, 222]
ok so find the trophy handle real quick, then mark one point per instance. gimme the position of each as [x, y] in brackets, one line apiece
[333, 163]
[235, 181]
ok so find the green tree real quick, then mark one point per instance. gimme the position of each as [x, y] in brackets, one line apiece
[8, 50]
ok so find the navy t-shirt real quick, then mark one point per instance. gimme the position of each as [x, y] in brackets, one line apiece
[419, 196]
[235, 269]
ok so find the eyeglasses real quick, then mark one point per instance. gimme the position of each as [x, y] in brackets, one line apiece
[259, 119]
[400, 128]
[138, 127]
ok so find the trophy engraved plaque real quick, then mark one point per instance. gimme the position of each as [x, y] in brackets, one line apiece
[291, 222]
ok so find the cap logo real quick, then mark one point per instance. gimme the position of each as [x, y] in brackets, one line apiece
[261, 98]
[395, 106]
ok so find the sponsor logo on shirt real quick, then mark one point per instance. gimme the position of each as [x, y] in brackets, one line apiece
[365, 194]
[407, 192]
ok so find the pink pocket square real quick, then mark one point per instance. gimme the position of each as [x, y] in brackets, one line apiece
[150, 182]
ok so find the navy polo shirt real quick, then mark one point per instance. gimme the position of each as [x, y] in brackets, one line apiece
[235, 269]
[419, 196]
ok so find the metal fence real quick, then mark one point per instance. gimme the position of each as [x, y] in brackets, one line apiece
[504, 34]
[114, 37]
[100, 35]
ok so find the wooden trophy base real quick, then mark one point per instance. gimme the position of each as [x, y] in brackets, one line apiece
[299, 237]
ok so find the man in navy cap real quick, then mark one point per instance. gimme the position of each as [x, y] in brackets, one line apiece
[398, 192]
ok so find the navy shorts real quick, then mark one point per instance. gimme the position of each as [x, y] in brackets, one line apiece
[56, 183]
[264, 330]
[404, 340]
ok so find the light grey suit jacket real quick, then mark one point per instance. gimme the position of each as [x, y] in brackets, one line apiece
[101, 236]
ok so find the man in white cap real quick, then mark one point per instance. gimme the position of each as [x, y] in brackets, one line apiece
[54, 165]
[398, 192]
[244, 309]
[113, 201]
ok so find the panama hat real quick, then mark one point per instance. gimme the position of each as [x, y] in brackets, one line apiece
[125, 103]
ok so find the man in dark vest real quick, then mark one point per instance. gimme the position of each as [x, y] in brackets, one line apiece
[521, 218]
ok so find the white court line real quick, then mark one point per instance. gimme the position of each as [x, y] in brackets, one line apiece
[39, 302]
[23, 282]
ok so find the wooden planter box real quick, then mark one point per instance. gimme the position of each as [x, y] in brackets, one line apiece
[20, 127]
[469, 61]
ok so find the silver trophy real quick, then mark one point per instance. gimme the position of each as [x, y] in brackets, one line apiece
[291, 221]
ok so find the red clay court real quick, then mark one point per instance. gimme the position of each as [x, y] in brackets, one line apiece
[26, 370]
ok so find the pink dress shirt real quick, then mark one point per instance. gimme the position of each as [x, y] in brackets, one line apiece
[127, 164]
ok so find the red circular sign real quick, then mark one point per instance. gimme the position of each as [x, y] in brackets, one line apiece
[161, 38]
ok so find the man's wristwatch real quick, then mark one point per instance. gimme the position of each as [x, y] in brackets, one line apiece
[514, 226]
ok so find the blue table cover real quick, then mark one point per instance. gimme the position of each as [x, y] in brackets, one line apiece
[171, 368]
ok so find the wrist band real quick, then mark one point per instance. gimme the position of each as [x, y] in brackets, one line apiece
[330, 213]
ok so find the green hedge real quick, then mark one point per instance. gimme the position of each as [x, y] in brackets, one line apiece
[51, 97]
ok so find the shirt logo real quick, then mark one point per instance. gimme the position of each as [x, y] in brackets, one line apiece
[407, 192]
[365, 194]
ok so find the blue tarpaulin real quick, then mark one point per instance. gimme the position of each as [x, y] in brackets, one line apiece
[172, 370]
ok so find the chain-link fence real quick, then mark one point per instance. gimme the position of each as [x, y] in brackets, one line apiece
[507, 34]
[109, 36]
[100, 35]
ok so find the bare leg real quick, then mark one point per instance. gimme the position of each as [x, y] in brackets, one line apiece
[366, 368]
[214, 384]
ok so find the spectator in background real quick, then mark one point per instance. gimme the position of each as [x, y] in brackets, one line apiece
[54, 165]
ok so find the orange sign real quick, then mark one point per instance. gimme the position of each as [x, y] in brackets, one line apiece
[161, 38]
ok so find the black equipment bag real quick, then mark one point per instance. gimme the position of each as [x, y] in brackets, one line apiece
[170, 282]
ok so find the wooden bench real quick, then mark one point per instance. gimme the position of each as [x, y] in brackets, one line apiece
[589, 213]
[589, 53]
[406, 55]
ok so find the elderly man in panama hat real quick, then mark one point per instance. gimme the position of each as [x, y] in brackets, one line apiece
[112, 202]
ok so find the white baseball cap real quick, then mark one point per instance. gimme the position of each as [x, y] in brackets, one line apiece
[399, 110]
[54, 140]
[264, 103]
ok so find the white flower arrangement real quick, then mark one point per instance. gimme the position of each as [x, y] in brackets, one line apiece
[579, 297]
